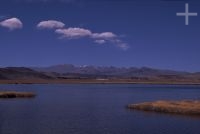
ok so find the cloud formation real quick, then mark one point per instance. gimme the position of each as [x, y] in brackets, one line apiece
[121, 44]
[105, 35]
[109, 37]
[12, 24]
[76, 33]
[50, 24]
[100, 41]
[72, 33]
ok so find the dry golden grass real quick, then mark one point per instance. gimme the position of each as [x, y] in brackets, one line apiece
[13, 94]
[175, 107]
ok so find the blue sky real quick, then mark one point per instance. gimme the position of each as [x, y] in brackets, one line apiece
[99, 32]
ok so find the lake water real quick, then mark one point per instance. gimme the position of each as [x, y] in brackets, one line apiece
[94, 109]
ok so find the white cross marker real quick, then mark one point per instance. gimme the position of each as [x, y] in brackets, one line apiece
[187, 14]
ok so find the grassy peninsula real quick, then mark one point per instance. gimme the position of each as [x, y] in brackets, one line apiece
[185, 107]
[14, 94]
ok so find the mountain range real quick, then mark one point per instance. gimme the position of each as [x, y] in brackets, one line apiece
[69, 71]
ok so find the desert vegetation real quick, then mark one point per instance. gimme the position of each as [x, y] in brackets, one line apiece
[14, 94]
[186, 107]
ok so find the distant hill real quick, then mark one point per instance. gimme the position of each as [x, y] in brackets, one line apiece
[68, 71]
[109, 71]
[10, 73]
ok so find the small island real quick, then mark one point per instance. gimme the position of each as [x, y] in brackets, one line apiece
[185, 107]
[14, 94]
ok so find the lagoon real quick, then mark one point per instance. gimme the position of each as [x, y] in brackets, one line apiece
[94, 109]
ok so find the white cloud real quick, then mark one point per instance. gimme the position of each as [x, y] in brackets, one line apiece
[12, 23]
[74, 32]
[50, 24]
[100, 41]
[119, 43]
[104, 35]
[110, 38]
[100, 38]
[123, 45]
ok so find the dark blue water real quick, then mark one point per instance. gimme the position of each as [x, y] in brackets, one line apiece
[94, 109]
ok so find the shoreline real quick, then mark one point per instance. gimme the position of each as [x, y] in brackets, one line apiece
[95, 81]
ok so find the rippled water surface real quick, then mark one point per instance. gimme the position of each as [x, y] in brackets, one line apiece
[94, 109]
